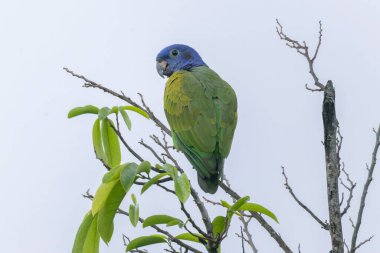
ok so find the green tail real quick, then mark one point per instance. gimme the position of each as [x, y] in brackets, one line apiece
[209, 166]
[210, 184]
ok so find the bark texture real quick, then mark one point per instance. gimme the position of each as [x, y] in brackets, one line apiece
[330, 124]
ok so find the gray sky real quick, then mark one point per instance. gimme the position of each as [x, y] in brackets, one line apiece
[47, 160]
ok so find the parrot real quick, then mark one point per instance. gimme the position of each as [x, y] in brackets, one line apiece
[201, 109]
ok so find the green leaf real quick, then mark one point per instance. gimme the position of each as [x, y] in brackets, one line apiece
[151, 182]
[135, 109]
[103, 113]
[145, 240]
[82, 233]
[97, 140]
[233, 209]
[159, 219]
[128, 175]
[144, 166]
[225, 204]
[87, 238]
[182, 187]
[91, 245]
[173, 172]
[253, 207]
[188, 237]
[114, 109]
[111, 144]
[218, 225]
[133, 197]
[239, 203]
[101, 196]
[113, 174]
[134, 214]
[82, 110]
[178, 223]
[108, 211]
[126, 118]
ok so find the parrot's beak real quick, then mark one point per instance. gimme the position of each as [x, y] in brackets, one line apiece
[161, 67]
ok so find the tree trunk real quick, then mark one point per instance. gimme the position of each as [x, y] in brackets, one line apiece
[330, 124]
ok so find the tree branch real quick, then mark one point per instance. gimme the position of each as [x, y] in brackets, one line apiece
[324, 225]
[303, 49]
[365, 192]
[88, 83]
[261, 220]
[350, 190]
[161, 160]
[248, 237]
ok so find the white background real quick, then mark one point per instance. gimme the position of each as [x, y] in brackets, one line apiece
[47, 161]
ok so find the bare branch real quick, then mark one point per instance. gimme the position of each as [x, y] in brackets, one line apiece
[88, 83]
[324, 225]
[350, 190]
[319, 41]
[303, 50]
[193, 223]
[364, 242]
[243, 239]
[365, 191]
[248, 237]
[161, 160]
[312, 90]
[352, 222]
[212, 202]
[126, 144]
[133, 152]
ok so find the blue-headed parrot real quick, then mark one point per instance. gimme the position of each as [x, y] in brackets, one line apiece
[201, 109]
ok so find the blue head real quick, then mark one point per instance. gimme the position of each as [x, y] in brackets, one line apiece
[177, 57]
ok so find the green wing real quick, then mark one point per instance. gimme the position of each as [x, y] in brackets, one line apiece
[201, 110]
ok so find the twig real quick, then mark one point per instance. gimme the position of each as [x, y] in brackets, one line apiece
[190, 219]
[212, 202]
[365, 191]
[171, 248]
[153, 117]
[161, 160]
[88, 83]
[248, 237]
[243, 239]
[324, 225]
[303, 49]
[118, 133]
[126, 144]
[363, 242]
[350, 190]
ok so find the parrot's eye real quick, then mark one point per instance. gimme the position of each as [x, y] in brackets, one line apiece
[174, 53]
